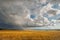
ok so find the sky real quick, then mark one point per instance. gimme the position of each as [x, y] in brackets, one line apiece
[16, 14]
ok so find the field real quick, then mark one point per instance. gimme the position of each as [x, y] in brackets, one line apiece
[29, 35]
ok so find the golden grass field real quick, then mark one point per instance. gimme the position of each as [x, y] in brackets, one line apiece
[29, 35]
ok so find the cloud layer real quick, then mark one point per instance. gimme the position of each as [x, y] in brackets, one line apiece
[18, 13]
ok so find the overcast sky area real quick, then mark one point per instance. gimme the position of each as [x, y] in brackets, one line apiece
[29, 14]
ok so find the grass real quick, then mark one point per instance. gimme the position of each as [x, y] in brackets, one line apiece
[29, 35]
